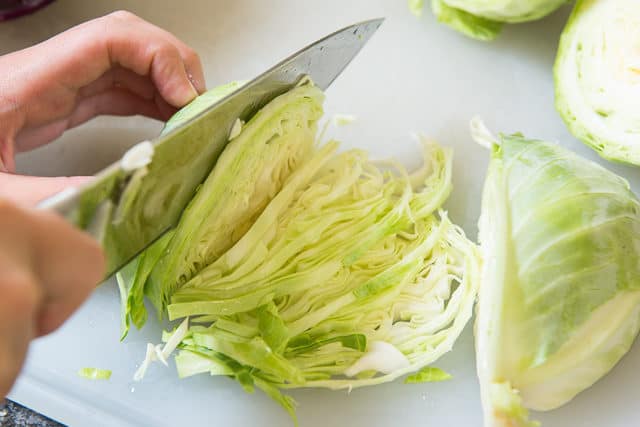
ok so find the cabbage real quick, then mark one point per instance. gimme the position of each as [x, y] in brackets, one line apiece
[271, 145]
[559, 303]
[348, 278]
[597, 77]
[483, 19]
[298, 265]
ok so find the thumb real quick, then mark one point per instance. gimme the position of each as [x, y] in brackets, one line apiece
[27, 191]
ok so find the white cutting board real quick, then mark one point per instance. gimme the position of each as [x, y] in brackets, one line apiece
[414, 75]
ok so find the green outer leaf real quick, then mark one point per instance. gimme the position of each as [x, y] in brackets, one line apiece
[426, 375]
[473, 26]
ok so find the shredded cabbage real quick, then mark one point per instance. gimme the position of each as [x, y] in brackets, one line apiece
[302, 266]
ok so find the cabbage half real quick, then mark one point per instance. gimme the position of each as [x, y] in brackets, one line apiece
[559, 303]
[271, 145]
[597, 77]
[250, 171]
[483, 19]
[299, 266]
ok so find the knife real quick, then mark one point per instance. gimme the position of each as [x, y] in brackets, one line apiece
[126, 209]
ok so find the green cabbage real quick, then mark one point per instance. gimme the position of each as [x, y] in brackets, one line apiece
[348, 278]
[301, 266]
[597, 77]
[483, 19]
[559, 303]
[250, 171]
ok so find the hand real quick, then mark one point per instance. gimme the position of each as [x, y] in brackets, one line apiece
[115, 65]
[47, 269]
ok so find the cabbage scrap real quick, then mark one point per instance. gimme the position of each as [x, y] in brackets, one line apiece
[559, 303]
[95, 373]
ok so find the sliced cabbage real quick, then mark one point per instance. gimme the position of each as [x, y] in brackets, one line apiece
[559, 303]
[483, 19]
[348, 278]
[597, 77]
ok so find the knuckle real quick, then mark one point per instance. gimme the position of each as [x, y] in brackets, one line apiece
[123, 15]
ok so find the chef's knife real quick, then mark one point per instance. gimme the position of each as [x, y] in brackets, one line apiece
[127, 209]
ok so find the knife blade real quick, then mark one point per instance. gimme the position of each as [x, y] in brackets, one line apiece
[127, 210]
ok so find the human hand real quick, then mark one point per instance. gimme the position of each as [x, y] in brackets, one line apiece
[47, 268]
[118, 64]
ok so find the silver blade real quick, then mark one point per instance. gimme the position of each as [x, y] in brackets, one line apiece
[128, 211]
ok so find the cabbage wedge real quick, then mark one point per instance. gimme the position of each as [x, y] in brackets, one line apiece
[597, 77]
[559, 303]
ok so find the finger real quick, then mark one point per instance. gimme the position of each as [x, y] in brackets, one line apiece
[27, 191]
[70, 264]
[146, 49]
[191, 60]
[17, 311]
[20, 293]
[116, 102]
